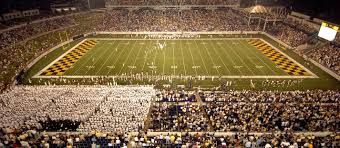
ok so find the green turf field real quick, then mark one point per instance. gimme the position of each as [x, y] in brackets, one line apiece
[208, 61]
[194, 57]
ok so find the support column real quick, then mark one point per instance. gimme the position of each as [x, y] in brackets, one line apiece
[265, 24]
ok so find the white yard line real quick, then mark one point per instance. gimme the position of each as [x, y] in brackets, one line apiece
[120, 53]
[154, 61]
[202, 58]
[253, 53]
[146, 56]
[297, 63]
[211, 59]
[185, 71]
[173, 58]
[246, 55]
[100, 56]
[60, 57]
[232, 61]
[120, 71]
[134, 62]
[84, 63]
[213, 46]
[244, 63]
[163, 61]
[107, 58]
[193, 61]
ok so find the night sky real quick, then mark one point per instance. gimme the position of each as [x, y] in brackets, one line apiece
[324, 9]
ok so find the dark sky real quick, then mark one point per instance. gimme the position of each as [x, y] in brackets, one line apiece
[324, 9]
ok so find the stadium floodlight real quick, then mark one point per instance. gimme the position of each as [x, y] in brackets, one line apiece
[328, 32]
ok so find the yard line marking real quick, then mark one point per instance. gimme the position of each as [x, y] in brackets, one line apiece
[202, 58]
[180, 43]
[127, 57]
[154, 61]
[163, 61]
[91, 55]
[204, 44]
[120, 53]
[97, 60]
[219, 56]
[107, 58]
[245, 64]
[192, 58]
[134, 62]
[247, 56]
[232, 61]
[173, 58]
[146, 56]
[253, 51]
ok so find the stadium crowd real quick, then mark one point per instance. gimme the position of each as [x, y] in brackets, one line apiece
[272, 117]
[20, 34]
[182, 118]
[25, 138]
[226, 19]
[186, 140]
[262, 111]
[36, 106]
[329, 56]
[173, 96]
[247, 96]
[23, 48]
[27, 111]
[122, 110]
[33, 138]
[287, 34]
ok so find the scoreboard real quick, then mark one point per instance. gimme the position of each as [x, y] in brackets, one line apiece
[328, 31]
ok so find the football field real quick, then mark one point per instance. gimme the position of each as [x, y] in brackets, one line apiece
[229, 58]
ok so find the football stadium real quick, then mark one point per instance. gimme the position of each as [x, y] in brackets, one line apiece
[169, 73]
